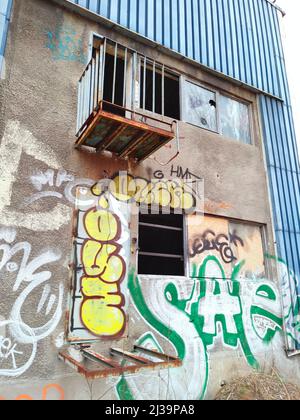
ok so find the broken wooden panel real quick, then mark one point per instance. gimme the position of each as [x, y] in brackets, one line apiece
[128, 363]
[125, 137]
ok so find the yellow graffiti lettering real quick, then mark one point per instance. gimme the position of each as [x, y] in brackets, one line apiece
[101, 319]
[126, 188]
[101, 225]
[104, 269]
[95, 287]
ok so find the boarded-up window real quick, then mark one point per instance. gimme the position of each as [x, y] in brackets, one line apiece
[230, 242]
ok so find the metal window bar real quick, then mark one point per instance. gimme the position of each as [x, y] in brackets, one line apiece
[92, 101]
[159, 255]
[86, 96]
[153, 86]
[97, 77]
[115, 74]
[163, 91]
[156, 226]
[145, 82]
[125, 78]
[103, 68]
[135, 64]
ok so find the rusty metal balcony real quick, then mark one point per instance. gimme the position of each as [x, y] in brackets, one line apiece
[112, 109]
[125, 137]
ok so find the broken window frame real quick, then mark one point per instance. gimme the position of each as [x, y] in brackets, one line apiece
[218, 93]
[185, 110]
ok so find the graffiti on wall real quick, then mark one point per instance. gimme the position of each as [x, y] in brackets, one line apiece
[60, 185]
[25, 277]
[215, 309]
[51, 392]
[104, 270]
[227, 304]
[198, 316]
[175, 194]
[229, 241]
[210, 241]
[290, 294]
[66, 44]
[101, 259]
[178, 172]
[102, 248]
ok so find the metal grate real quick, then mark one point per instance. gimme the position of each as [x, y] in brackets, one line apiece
[120, 362]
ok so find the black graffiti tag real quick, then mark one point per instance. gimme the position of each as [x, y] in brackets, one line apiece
[222, 243]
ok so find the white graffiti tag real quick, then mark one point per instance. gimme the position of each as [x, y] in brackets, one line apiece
[28, 279]
[9, 352]
[60, 185]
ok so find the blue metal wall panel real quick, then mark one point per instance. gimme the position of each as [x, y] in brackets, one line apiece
[230, 36]
[240, 38]
[5, 11]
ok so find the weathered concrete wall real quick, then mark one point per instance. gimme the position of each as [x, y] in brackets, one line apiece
[219, 328]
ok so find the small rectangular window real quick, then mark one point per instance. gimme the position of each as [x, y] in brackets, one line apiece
[161, 245]
[235, 119]
[200, 106]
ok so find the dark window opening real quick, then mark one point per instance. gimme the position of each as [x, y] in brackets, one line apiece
[161, 245]
[114, 93]
[161, 94]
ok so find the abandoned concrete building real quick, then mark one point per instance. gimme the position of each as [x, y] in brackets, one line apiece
[149, 199]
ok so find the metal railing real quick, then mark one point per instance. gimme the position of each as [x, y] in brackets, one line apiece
[123, 84]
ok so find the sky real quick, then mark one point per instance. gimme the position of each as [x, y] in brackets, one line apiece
[291, 40]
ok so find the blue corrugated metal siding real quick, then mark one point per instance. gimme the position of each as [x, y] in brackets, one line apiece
[5, 10]
[240, 38]
[230, 36]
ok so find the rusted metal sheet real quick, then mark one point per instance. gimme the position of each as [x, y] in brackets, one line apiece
[113, 368]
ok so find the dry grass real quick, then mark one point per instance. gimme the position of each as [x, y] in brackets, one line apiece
[259, 387]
